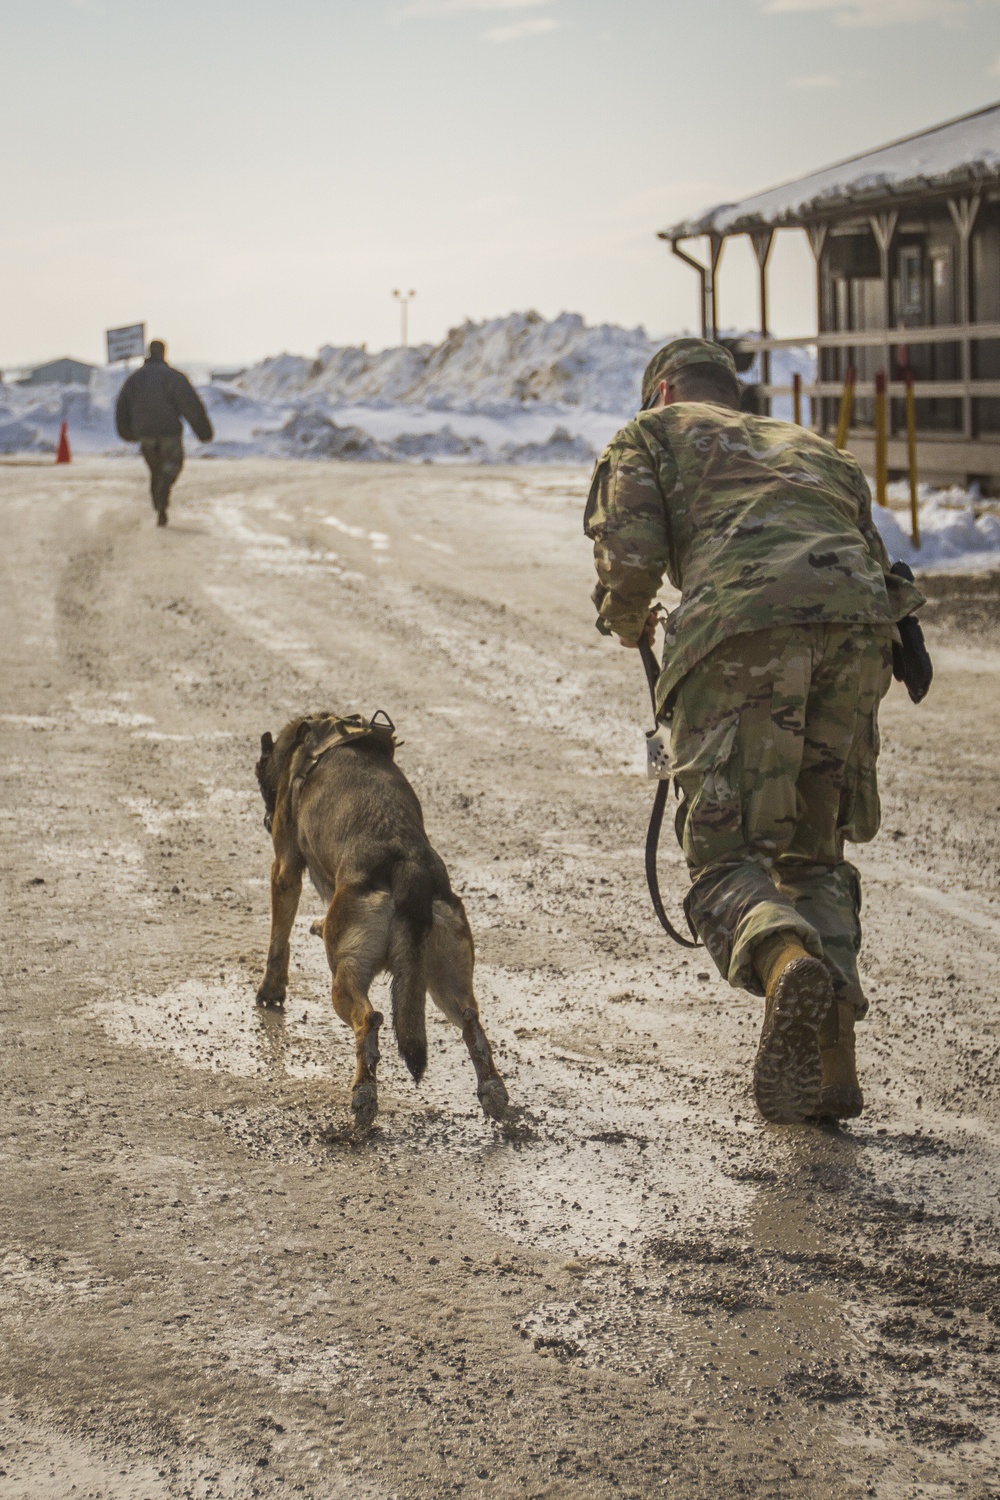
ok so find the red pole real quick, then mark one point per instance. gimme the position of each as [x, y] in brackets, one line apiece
[881, 439]
[63, 455]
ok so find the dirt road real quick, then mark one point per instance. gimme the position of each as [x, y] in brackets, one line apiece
[208, 1288]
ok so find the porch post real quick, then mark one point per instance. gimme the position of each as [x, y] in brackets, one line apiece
[762, 241]
[817, 239]
[715, 244]
[884, 228]
[696, 265]
[963, 212]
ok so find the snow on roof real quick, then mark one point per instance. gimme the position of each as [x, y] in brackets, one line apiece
[960, 153]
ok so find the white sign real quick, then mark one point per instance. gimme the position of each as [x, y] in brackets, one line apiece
[126, 343]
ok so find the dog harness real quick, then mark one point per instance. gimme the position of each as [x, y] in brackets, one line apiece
[329, 732]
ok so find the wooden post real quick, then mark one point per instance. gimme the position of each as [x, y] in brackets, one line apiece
[911, 453]
[762, 240]
[817, 234]
[696, 265]
[964, 212]
[883, 227]
[797, 399]
[881, 441]
[846, 409]
[715, 244]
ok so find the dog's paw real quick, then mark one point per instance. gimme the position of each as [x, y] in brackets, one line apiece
[364, 1104]
[494, 1099]
[270, 999]
[316, 928]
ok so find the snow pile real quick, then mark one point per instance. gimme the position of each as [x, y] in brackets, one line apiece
[958, 532]
[18, 437]
[30, 416]
[312, 434]
[500, 364]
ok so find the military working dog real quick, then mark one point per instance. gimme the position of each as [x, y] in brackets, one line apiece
[338, 806]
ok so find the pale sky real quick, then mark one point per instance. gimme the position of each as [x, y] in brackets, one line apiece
[250, 176]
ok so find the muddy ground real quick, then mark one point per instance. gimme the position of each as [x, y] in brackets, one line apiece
[209, 1288]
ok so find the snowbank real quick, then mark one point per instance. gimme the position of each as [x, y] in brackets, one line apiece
[958, 533]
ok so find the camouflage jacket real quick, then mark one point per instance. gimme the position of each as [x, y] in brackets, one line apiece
[757, 523]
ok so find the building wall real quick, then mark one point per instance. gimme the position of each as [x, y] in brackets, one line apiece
[60, 372]
[923, 271]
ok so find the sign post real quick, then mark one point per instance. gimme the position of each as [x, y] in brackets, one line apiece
[126, 343]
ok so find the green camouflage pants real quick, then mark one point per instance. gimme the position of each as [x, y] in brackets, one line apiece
[774, 742]
[165, 459]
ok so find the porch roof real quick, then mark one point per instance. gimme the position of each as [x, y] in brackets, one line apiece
[958, 155]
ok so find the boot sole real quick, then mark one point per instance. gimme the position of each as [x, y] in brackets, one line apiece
[839, 1101]
[788, 1073]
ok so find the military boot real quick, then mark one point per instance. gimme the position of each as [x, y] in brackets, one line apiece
[840, 1096]
[788, 1071]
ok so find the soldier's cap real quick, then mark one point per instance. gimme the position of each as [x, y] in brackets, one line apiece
[678, 355]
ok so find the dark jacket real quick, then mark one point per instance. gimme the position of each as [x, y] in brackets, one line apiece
[152, 402]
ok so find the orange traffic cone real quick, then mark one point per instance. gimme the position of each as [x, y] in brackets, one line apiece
[63, 455]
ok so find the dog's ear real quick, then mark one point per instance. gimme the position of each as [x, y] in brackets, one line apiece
[266, 744]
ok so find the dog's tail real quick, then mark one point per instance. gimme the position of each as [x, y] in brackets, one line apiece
[412, 898]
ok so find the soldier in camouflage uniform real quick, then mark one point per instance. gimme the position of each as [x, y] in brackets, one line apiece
[777, 658]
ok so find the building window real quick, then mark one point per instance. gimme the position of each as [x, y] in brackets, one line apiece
[911, 285]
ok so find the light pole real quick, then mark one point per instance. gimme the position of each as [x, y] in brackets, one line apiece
[404, 302]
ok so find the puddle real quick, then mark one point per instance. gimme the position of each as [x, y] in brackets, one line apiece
[593, 1161]
[217, 1027]
[628, 1125]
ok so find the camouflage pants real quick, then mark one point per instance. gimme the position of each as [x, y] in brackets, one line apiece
[774, 743]
[165, 458]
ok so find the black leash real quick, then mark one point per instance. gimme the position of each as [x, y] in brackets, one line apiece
[652, 667]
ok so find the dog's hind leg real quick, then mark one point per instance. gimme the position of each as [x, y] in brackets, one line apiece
[286, 888]
[356, 935]
[450, 959]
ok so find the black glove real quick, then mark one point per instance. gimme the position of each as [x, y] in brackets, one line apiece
[911, 662]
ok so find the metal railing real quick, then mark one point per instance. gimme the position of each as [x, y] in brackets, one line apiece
[876, 338]
[924, 389]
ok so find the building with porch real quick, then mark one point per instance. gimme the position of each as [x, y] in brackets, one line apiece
[906, 241]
